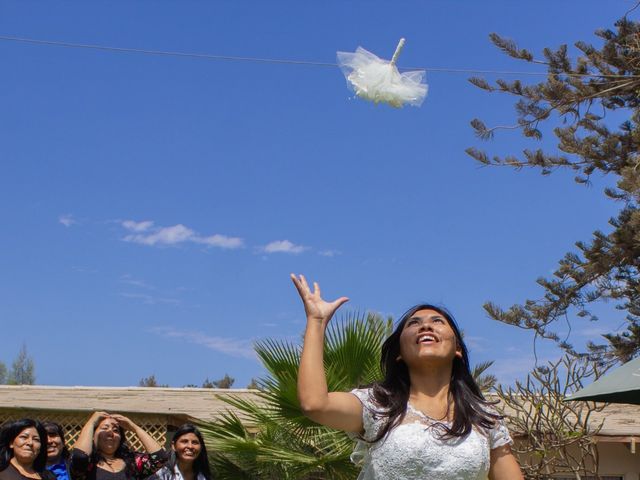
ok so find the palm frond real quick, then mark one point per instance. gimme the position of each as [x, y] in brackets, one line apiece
[485, 381]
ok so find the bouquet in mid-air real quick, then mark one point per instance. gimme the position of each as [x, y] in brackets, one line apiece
[380, 81]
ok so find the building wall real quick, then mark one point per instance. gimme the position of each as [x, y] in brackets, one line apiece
[616, 458]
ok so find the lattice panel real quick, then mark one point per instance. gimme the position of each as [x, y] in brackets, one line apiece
[72, 423]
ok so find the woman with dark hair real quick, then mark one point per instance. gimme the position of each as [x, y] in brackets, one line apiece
[57, 452]
[426, 419]
[101, 451]
[189, 459]
[22, 452]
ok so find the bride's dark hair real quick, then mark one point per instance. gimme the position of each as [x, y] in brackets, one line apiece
[391, 395]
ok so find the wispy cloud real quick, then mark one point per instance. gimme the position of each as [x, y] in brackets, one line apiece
[221, 241]
[329, 253]
[129, 280]
[516, 368]
[476, 344]
[230, 346]
[145, 233]
[594, 332]
[67, 220]
[283, 246]
[150, 299]
[163, 236]
[137, 226]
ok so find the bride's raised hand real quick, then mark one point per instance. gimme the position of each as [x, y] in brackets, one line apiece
[317, 309]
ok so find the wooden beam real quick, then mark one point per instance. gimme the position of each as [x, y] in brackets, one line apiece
[628, 439]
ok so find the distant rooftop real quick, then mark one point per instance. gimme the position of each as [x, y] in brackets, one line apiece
[198, 403]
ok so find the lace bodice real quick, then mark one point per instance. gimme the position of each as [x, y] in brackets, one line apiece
[413, 450]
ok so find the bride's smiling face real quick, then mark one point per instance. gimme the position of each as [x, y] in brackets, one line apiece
[428, 338]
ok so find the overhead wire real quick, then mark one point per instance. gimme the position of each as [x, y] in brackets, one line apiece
[207, 56]
[163, 52]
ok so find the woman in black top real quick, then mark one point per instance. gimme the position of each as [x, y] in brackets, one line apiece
[101, 453]
[23, 454]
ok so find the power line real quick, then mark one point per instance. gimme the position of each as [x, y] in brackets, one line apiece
[206, 56]
[163, 53]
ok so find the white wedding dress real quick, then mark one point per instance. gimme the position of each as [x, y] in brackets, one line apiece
[413, 450]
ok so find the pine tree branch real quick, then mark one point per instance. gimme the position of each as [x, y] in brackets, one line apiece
[632, 9]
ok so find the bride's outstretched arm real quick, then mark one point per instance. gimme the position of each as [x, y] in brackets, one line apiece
[340, 410]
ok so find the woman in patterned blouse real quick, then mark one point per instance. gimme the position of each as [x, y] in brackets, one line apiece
[101, 452]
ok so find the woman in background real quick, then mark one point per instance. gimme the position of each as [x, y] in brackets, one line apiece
[101, 452]
[57, 452]
[189, 459]
[23, 455]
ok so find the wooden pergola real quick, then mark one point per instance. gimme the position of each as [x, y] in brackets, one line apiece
[158, 410]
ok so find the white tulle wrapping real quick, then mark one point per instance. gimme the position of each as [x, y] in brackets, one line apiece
[375, 79]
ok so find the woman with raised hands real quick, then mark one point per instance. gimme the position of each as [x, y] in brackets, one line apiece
[426, 418]
[101, 451]
[23, 452]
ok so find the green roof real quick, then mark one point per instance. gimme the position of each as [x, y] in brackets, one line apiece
[620, 386]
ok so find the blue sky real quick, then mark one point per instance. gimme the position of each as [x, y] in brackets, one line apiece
[153, 207]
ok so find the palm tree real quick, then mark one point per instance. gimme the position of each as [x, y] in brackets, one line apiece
[270, 438]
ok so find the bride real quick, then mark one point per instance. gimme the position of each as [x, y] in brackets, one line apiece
[426, 419]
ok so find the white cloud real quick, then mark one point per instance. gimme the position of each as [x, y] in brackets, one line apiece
[137, 226]
[145, 233]
[284, 246]
[163, 236]
[67, 220]
[229, 346]
[221, 241]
